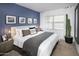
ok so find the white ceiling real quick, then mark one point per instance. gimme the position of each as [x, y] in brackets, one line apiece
[41, 7]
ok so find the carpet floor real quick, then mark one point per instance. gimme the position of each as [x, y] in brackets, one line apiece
[65, 49]
[12, 53]
[62, 49]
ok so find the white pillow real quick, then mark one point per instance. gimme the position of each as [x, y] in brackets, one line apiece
[19, 32]
[33, 31]
[4, 37]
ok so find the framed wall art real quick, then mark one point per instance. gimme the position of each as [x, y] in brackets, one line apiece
[29, 20]
[35, 21]
[10, 19]
[22, 20]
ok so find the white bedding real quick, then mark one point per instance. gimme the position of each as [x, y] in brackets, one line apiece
[44, 49]
[19, 41]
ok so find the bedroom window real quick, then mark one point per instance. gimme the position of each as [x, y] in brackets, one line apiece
[56, 24]
[49, 23]
[59, 22]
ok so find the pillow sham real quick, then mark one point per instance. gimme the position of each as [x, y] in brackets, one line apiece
[25, 32]
[33, 30]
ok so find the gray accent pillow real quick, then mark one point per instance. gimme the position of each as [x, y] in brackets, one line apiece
[8, 36]
[25, 32]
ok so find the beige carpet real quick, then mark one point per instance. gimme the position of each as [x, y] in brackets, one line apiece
[62, 49]
[12, 53]
[65, 49]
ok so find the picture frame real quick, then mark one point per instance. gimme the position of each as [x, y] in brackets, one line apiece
[35, 21]
[29, 20]
[10, 19]
[22, 20]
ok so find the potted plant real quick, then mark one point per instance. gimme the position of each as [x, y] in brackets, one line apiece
[68, 37]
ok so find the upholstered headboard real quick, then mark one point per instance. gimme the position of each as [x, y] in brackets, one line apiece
[18, 29]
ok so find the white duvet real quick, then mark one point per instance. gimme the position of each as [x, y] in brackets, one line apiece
[45, 47]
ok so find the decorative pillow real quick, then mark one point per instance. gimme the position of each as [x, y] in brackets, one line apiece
[32, 30]
[4, 38]
[25, 32]
[38, 29]
[8, 36]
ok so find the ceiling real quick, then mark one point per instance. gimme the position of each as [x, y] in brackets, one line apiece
[41, 7]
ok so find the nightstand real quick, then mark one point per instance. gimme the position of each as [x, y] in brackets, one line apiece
[6, 46]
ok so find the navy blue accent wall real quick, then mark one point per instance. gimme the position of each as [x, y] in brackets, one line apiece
[18, 11]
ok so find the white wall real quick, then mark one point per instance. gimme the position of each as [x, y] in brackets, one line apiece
[69, 11]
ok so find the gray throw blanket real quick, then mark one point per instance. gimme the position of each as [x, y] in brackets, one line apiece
[31, 45]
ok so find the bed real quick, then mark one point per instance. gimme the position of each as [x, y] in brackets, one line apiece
[30, 43]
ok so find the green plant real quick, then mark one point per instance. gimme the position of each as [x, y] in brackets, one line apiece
[68, 27]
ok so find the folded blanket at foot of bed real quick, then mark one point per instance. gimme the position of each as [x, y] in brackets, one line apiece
[31, 45]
